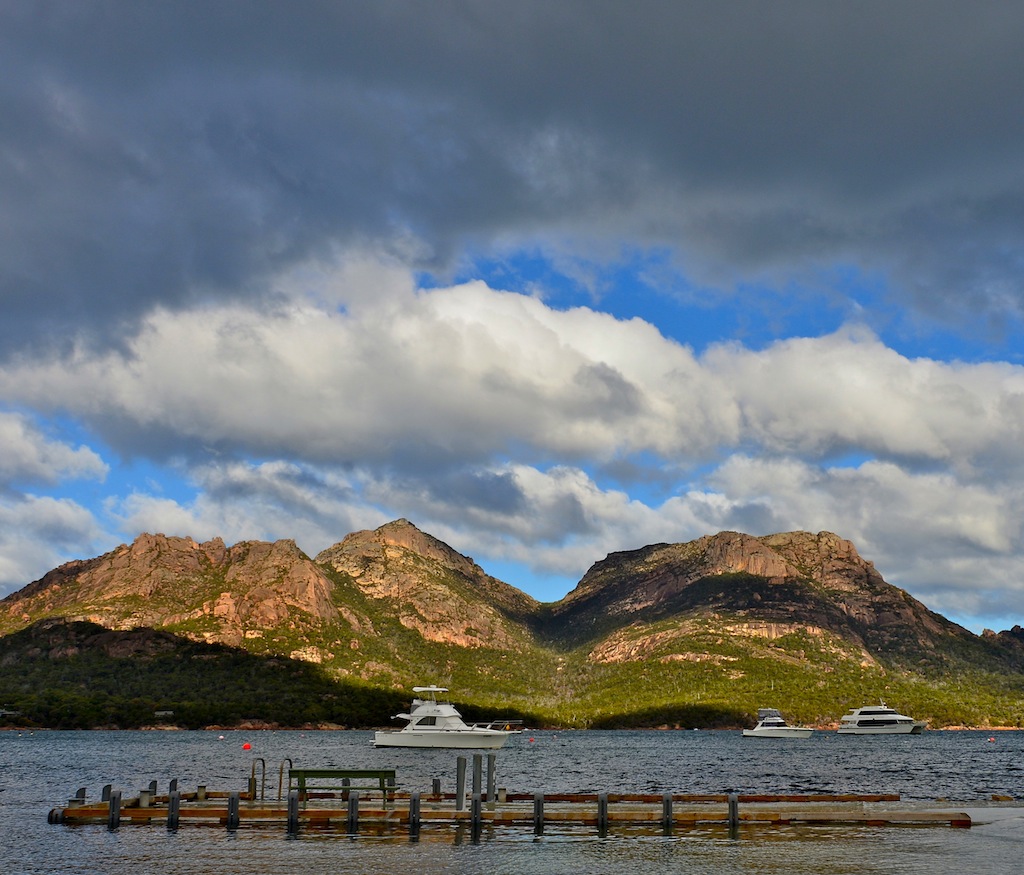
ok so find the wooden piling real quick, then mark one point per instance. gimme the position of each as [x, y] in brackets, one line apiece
[602, 813]
[414, 814]
[293, 812]
[478, 768]
[491, 779]
[476, 817]
[352, 821]
[460, 783]
[173, 808]
[233, 806]
[114, 813]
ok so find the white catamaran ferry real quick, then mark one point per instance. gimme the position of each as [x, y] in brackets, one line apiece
[879, 720]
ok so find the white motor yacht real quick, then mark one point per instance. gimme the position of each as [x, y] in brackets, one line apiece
[879, 720]
[434, 722]
[770, 724]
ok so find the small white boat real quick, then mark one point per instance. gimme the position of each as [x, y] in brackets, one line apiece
[879, 720]
[770, 724]
[434, 722]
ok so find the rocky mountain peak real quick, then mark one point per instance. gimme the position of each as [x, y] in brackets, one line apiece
[661, 571]
[797, 579]
[358, 550]
[157, 580]
[435, 589]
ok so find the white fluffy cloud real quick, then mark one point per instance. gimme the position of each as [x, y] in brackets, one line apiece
[848, 392]
[39, 532]
[29, 456]
[240, 501]
[498, 422]
[470, 374]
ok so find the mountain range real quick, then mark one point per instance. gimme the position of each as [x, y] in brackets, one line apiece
[691, 634]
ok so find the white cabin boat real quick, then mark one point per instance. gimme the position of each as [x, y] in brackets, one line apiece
[434, 722]
[879, 720]
[770, 724]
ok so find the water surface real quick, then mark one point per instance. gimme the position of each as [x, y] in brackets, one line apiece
[41, 770]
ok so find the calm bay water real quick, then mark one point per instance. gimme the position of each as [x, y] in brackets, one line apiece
[41, 770]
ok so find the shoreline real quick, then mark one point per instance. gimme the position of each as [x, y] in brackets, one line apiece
[260, 726]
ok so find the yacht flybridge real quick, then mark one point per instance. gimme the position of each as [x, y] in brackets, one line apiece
[879, 720]
[434, 722]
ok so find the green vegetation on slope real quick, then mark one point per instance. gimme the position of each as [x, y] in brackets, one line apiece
[67, 675]
[67, 679]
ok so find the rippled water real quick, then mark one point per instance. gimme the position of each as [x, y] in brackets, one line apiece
[41, 770]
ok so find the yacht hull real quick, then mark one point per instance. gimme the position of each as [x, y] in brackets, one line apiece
[779, 732]
[460, 739]
[897, 729]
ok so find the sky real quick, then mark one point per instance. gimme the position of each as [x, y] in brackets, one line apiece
[550, 280]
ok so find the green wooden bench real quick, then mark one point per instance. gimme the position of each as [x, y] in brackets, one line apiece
[342, 781]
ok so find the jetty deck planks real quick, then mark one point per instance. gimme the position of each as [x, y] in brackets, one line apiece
[554, 810]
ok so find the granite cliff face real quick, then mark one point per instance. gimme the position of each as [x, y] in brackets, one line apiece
[445, 596]
[349, 606]
[253, 590]
[222, 594]
[767, 586]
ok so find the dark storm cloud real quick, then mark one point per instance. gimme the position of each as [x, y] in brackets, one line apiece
[485, 491]
[167, 152]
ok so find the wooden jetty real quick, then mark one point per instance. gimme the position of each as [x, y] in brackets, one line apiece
[375, 809]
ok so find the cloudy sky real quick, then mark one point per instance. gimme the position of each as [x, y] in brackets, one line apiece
[548, 279]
